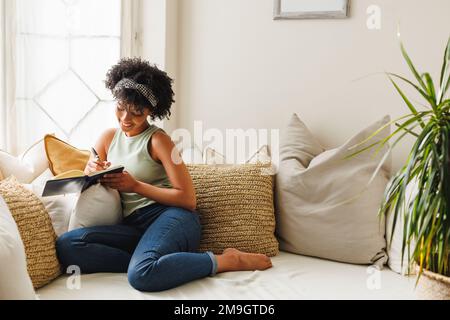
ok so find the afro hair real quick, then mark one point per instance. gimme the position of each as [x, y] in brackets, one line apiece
[142, 72]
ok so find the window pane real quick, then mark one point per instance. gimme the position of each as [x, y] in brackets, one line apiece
[39, 61]
[67, 100]
[46, 17]
[92, 58]
[33, 124]
[100, 118]
[64, 49]
[98, 17]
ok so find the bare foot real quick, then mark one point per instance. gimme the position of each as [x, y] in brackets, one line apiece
[234, 260]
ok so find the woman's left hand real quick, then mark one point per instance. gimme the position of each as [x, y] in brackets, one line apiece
[124, 181]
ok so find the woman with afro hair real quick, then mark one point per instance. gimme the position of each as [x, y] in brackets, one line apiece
[157, 242]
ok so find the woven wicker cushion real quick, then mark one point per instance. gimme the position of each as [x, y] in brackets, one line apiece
[235, 203]
[36, 231]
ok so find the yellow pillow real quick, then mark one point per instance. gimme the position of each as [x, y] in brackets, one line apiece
[63, 157]
[36, 231]
[235, 204]
[1, 175]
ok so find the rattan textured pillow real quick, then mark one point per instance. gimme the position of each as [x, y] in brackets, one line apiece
[35, 229]
[235, 204]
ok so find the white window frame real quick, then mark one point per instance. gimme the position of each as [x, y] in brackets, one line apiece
[131, 30]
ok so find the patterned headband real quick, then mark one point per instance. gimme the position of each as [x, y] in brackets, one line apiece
[126, 83]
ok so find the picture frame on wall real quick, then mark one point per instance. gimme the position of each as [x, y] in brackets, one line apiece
[311, 9]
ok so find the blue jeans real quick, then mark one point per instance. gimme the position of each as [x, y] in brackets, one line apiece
[156, 245]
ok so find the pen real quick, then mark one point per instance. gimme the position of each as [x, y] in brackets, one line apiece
[97, 159]
[95, 154]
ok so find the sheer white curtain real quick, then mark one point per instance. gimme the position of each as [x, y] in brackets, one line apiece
[7, 75]
[62, 51]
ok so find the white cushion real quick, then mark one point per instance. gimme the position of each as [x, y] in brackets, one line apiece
[325, 204]
[38, 183]
[15, 283]
[96, 206]
[210, 156]
[27, 166]
[261, 156]
[59, 207]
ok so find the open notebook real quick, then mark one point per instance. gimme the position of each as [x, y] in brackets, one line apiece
[75, 181]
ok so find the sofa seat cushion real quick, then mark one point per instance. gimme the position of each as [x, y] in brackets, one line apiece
[291, 277]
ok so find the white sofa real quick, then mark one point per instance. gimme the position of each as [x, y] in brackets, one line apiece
[291, 277]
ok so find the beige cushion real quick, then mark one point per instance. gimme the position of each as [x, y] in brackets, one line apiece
[35, 229]
[236, 209]
[1, 175]
[326, 206]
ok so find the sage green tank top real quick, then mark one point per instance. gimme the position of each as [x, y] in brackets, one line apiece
[132, 153]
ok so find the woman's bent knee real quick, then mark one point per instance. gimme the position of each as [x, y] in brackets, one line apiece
[145, 279]
[66, 245]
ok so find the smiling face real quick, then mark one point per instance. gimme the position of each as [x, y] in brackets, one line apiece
[131, 120]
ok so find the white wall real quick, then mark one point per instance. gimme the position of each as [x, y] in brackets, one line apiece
[237, 68]
[2, 83]
[160, 43]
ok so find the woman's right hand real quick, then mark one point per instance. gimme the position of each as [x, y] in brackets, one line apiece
[94, 165]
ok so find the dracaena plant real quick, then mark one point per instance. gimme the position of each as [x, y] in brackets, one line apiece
[425, 214]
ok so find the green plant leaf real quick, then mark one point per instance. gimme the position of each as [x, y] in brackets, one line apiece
[431, 91]
[408, 103]
[445, 74]
[413, 117]
[407, 125]
[403, 127]
[407, 130]
[411, 67]
[444, 105]
[422, 92]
